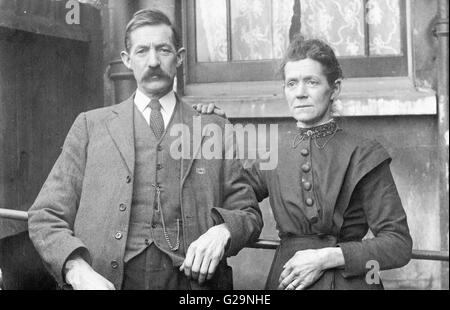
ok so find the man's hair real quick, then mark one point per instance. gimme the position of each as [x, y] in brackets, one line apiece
[315, 49]
[150, 17]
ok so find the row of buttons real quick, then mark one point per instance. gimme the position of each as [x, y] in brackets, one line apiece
[307, 186]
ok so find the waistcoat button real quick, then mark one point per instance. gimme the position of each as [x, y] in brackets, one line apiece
[114, 264]
[304, 152]
[122, 207]
[128, 179]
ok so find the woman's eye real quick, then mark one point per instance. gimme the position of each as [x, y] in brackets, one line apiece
[291, 84]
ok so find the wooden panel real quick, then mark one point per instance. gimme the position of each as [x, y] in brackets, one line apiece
[46, 83]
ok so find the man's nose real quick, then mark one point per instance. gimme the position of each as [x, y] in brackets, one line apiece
[153, 59]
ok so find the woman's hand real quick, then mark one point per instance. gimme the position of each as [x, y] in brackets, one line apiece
[307, 266]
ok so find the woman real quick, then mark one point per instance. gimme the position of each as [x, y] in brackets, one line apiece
[329, 188]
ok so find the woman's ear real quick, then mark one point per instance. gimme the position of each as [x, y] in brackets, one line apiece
[336, 89]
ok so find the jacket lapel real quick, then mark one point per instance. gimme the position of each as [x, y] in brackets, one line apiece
[188, 115]
[121, 128]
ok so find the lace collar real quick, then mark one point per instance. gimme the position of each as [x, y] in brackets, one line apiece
[328, 129]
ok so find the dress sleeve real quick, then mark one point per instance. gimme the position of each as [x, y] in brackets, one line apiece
[391, 247]
[256, 179]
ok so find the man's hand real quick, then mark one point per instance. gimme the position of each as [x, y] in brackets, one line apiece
[307, 266]
[81, 276]
[209, 109]
[205, 253]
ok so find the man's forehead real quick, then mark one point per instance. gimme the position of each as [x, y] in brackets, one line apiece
[152, 35]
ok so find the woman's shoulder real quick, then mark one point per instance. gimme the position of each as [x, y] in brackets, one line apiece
[357, 142]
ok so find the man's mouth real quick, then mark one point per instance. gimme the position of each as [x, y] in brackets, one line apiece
[303, 106]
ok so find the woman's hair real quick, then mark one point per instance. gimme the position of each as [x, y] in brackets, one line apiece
[150, 17]
[315, 49]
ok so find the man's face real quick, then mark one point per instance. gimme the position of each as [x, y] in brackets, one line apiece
[153, 59]
[308, 93]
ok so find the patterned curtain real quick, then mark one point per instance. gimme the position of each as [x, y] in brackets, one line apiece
[260, 28]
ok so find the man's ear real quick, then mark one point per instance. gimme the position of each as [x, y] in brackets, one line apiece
[126, 59]
[180, 56]
[336, 89]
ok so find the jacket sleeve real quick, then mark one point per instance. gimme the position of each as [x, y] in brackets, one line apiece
[240, 209]
[392, 245]
[52, 216]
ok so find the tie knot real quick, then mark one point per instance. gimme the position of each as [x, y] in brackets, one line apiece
[155, 105]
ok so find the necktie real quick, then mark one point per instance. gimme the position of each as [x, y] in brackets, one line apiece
[156, 119]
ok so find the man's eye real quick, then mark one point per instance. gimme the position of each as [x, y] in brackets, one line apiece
[312, 83]
[165, 51]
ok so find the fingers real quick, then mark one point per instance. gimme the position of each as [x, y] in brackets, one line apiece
[212, 268]
[210, 108]
[189, 260]
[286, 281]
[195, 269]
[204, 270]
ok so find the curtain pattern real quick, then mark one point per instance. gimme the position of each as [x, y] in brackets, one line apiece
[260, 28]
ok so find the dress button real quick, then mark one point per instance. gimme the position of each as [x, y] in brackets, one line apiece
[118, 235]
[306, 168]
[304, 152]
[114, 264]
[128, 179]
[309, 202]
[122, 207]
[307, 186]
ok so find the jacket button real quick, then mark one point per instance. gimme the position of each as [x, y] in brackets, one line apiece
[314, 219]
[159, 167]
[114, 264]
[306, 168]
[304, 152]
[118, 235]
[122, 207]
[128, 179]
[307, 186]
[309, 202]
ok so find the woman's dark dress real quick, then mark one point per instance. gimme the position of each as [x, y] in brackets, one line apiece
[328, 189]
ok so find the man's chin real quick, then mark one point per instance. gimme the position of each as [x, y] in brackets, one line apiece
[156, 88]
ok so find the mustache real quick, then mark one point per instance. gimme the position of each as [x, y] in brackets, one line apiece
[156, 72]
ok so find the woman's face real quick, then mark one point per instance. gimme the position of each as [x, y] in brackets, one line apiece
[308, 93]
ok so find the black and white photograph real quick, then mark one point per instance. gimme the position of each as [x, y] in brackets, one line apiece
[232, 147]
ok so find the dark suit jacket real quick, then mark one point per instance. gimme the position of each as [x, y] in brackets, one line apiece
[78, 206]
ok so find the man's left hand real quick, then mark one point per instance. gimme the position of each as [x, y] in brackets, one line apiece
[205, 253]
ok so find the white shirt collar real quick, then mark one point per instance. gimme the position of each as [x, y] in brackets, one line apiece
[168, 103]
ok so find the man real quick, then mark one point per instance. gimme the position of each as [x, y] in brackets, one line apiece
[119, 211]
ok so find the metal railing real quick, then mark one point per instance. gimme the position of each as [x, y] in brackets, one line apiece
[261, 243]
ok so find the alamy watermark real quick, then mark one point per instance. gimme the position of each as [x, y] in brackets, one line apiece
[373, 275]
[73, 7]
[213, 142]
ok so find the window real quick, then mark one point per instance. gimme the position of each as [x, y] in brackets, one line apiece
[244, 40]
